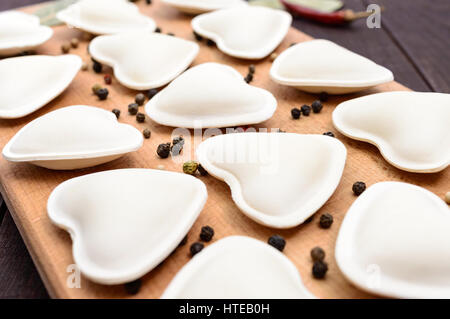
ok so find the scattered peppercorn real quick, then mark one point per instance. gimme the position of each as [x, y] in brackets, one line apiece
[326, 220]
[190, 167]
[197, 36]
[210, 42]
[323, 96]
[196, 248]
[316, 106]
[358, 188]
[277, 241]
[151, 93]
[295, 112]
[140, 98]
[447, 198]
[74, 43]
[201, 170]
[140, 117]
[248, 78]
[306, 109]
[309, 220]
[319, 269]
[183, 241]
[206, 233]
[97, 67]
[317, 254]
[84, 66]
[133, 287]
[116, 112]
[329, 134]
[107, 78]
[95, 88]
[163, 150]
[273, 56]
[65, 48]
[102, 93]
[251, 69]
[177, 140]
[158, 30]
[133, 108]
[147, 133]
[148, 1]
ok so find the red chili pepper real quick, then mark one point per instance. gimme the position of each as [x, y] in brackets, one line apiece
[338, 17]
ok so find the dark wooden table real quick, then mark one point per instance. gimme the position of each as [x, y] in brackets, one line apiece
[413, 42]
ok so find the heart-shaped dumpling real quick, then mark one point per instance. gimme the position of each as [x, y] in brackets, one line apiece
[210, 95]
[248, 32]
[276, 179]
[144, 60]
[125, 222]
[411, 129]
[106, 17]
[73, 137]
[323, 66]
[238, 267]
[30, 82]
[20, 32]
[200, 6]
[394, 242]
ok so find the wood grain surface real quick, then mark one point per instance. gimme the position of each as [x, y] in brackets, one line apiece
[27, 187]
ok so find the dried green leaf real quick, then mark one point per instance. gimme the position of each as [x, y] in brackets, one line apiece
[47, 13]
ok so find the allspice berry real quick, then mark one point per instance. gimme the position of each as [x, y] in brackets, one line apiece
[317, 254]
[319, 269]
[147, 133]
[358, 188]
[326, 220]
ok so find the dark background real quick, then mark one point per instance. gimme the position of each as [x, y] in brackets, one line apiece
[413, 42]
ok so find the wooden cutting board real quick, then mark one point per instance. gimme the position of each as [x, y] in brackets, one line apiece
[26, 187]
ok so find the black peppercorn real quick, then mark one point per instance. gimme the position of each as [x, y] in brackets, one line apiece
[210, 42]
[251, 69]
[158, 30]
[317, 254]
[151, 93]
[102, 93]
[133, 287]
[319, 269]
[140, 117]
[323, 96]
[177, 140]
[116, 112]
[171, 34]
[248, 78]
[326, 220]
[97, 67]
[206, 233]
[309, 220]
[163, 150]
[277, 241]
[148, 1]
[184, 241]
[202, 170]
[133, 108]
[316, 106]
[147, 133]
[306, 110]
[295, 112]
[196, 248]
[358, 188]
[329, 134]
[139, 99]
[197, 36]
